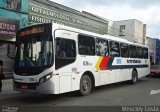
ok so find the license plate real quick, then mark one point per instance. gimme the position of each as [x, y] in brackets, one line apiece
[24, 87]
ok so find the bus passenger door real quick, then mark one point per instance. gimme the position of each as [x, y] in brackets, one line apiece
[65, 59]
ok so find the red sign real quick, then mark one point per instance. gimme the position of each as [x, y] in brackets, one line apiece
[8, 26]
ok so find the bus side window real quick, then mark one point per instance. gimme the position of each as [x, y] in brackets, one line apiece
[102, 48]
[132, 51]
[60, 51]
[139, 52]
[145, 53]
[114, 49]
[65, 52]
[71, 52]
[124, 50]
[86, 45]
[65, 48]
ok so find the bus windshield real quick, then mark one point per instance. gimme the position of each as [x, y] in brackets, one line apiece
[34, 51]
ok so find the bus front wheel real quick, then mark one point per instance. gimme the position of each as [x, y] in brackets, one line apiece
[134, 77]
[85, 85]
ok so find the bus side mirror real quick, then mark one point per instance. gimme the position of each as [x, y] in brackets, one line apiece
[11, 51]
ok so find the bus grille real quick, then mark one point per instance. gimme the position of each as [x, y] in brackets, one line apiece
[31, 86]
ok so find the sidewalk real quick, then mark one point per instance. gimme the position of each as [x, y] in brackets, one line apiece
[7, 87]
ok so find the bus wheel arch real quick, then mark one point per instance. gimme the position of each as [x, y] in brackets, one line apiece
[134, 78]
[87, 83]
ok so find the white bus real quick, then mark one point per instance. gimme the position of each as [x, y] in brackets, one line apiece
[54, 59]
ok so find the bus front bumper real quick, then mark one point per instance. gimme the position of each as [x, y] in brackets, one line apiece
[47, 87]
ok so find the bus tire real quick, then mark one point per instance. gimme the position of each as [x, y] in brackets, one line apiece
[85, 85]
[134, 77]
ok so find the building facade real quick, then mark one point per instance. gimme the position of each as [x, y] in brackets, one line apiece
[157, 51]
[132, 30]
[151, 43]
[45, 11]
[13, 15]
[154, 49]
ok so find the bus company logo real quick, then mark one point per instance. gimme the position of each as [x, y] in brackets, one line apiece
[134, 61]
[86, 63]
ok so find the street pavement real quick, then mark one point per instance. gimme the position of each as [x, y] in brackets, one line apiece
[109, 98]
[7, 87]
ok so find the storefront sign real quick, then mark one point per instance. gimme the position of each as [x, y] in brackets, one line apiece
[8, 26]
[42, 13]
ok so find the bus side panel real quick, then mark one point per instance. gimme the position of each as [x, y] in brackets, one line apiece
[103, 77]
[143, 71]
[55, 79]
[66, 78]
[140, 72]
[76, 81]
[127, 74]
[111, 77]
[88, 63]
[119, 75]
[65, 83]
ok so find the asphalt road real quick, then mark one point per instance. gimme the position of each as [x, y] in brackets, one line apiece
[120, 94]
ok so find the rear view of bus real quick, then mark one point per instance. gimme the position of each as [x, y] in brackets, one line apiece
[34, 59]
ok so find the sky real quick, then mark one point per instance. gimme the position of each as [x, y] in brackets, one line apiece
[146, 11]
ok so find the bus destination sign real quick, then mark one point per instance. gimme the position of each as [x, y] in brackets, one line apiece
[30, 31]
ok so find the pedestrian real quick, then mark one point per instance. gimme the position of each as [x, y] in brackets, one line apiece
[1, 74]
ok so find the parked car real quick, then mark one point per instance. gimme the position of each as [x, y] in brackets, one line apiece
[154, 71]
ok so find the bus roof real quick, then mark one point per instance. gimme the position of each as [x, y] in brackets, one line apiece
[106, 36]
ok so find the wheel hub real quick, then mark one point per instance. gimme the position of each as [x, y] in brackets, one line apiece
[85, 84]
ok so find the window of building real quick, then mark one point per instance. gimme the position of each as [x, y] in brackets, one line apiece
[3, 3]
[14, 4]
[86, 45]
[124, 50]
[132, 51]
[122, 30]
[102, 48]
[114, 49]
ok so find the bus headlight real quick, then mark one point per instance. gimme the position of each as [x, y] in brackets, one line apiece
[45, 78]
